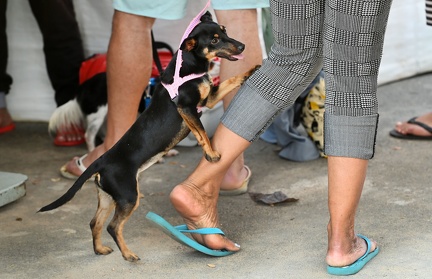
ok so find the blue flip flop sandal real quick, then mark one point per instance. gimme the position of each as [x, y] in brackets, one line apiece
[358, 264]
[177, 233]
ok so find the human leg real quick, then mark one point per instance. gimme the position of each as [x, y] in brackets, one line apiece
[63, 47]
[5, 79]
[64, 53]
[243, 26]
[129, 63]
[351, 115]
[270, 89]
[129, 59]
[6, 123]
[196, 198]
[345, 179]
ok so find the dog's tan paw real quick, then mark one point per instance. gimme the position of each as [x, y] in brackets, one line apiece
[250, 72]
[213, 157]
[104, 250]
[131, 257]
[172, 153]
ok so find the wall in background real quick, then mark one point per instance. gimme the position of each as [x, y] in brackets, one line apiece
[407, 48]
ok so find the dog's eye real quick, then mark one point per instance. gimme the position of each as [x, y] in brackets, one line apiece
[215, 41]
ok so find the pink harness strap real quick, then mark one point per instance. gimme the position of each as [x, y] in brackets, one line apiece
[195, 21]
[178, 81]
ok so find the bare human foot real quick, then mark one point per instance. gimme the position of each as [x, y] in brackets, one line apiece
[69, 136]
[235, 176]
[343, 253]
[407, 128]
[5, 118]
[71, 166]
[198, 207]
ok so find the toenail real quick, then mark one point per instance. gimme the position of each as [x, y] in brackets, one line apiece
[237, 245]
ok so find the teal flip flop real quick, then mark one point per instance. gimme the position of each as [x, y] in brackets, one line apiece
[358, 264]
[177, 233]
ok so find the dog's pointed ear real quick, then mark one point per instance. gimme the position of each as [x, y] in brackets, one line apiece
[188, 44]
[207, 17]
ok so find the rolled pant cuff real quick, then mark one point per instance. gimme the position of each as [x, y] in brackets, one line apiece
[249, 114]
[349, 136]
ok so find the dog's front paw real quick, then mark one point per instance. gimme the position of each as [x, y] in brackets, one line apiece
[172, 152]
[213, 157]
[250, 72]
[254, 69]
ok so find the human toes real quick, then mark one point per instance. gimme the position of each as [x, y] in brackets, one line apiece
[399, 127]
[219, 242]
[213, 241]
[373, 244]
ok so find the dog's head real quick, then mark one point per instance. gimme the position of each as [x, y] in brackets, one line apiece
[209, 39]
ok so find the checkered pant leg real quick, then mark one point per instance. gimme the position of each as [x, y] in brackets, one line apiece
[353, 40]
[294, 61]
[345, 37]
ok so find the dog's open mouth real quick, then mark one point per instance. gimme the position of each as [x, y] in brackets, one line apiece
[230, 56]
[237, 57]
[234, 57]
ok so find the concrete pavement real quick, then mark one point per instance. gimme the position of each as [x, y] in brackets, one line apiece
[287, 241]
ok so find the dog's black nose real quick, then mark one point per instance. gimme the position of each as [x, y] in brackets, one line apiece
[241, 47]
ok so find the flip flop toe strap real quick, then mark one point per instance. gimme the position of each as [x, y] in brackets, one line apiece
[368, 246]
[424, 126]
[80, 164]
[184, 229]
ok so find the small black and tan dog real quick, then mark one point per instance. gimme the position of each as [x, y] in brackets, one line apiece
[158, 129]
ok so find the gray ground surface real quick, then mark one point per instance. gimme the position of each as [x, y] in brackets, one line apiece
[287, 241]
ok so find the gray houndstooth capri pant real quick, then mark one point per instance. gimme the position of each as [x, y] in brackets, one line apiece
[343, 37]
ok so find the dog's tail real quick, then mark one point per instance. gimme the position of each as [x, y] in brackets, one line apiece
[65, 117]
[87, 174]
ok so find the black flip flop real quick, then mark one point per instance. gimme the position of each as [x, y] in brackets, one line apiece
[398, 135]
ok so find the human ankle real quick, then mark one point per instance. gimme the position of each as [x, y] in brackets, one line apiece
[93, 155]
[347, 251]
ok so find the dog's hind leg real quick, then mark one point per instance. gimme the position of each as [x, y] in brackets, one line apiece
[105, 207]
[125, 206]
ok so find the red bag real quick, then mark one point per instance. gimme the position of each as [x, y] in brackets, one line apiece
[96, 64]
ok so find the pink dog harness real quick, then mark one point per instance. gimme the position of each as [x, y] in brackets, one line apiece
[178, 81]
